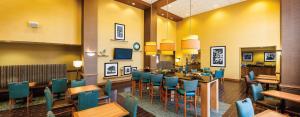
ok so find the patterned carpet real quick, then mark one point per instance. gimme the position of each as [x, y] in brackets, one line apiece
[22, 103]
[157, 108]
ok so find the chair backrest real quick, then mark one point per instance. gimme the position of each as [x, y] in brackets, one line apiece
[206, 70]
[87, 100]
[189, 86]
[18, 90]
[186, 69]
[49, 99]
[194, 70]
[171, 81]
[256, 92]
[131, 104]
[156, 78]
[205, 74]
[78, 83]
[107, 88]
[251, 75]
[218, 74]
[146, 76]
[180, 69]
[136, 75]
[244, 108]
[50, 114]
[59, 85]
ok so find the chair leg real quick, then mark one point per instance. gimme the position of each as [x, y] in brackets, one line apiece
[28, 101]
[9, 103]
[184, 100]
[141, 90]
[151, 94]
[176, 102]
[195, 105]
[166, 99]
[133, 87]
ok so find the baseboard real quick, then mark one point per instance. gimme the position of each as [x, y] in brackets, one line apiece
[232, 79]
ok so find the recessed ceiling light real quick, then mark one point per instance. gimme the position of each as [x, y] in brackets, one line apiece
[162, 14]
[133, 3]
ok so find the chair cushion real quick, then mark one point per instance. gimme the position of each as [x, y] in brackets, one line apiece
[156, 83]
[169, 88]
[244, 108]
[182, 91]
[146, 81]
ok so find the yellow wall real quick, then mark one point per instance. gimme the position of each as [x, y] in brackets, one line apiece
[252, 23]
[110, 12]
[60, 21]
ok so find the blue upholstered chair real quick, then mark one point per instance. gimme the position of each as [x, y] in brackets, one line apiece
[135, 80]
[107, 92]
[248, 81]
[59, 86]
[156, 81]
[189, 89]
[251, 75]
[18, 90]
[87, 100]
[219, 74]
[55, 105]
[244, 108]
[206, 70]
[50, 114]
[205, 74]
[186, 69]
[194, 70]
[180, 69]
[78, 83]
[146, 77]
[170, 84]
[131, 105]
[259, 98]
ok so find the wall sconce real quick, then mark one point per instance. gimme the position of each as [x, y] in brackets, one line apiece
[77, 64]
[90, 53]
[177, 60]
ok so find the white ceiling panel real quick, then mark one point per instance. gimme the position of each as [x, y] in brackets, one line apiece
[150, 1]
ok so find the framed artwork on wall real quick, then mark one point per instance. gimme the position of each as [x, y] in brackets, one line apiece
[110, 69]
[247, 56]
[119, 31]
[270, 56]
[218, 56]
[127, 70]
[133, 69]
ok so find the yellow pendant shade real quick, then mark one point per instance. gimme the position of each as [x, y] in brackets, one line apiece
[150, 48]
[191, 45]
[167, 48]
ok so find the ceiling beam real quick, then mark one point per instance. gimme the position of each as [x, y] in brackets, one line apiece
[136, 3]
[161, 3]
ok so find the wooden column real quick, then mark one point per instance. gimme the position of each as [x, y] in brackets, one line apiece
[150, 34]
[90, 40]
[209, 97]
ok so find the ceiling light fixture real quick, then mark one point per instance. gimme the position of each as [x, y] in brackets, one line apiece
[168, 46]
[133, 3]
[151, 47]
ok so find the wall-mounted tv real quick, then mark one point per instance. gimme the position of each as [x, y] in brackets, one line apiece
[122, 53]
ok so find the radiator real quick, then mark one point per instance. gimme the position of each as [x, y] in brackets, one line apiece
[41, 73]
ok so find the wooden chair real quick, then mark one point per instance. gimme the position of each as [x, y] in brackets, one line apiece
[18, 90]
[145, 81]
[56, 105]
[248, 83]
[156, 81]
[107, 92]
[259, 99]
[170, 85]
[135, 80]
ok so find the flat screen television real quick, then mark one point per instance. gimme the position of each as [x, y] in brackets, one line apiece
[122, 53]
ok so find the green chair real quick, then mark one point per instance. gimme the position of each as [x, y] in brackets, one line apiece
[206, 70]
[135, 80]
[50, 114]
[146, 77]
[244, 108]
[170, 84]
[107, 92]
[18, 90]
[87, 100]
[55, 105]
[156, 80]
[59, 86]
[259, 98]
[78, 83]
[131, 105]
[188, 90]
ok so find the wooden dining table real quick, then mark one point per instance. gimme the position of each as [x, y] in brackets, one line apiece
[107, 110]
[77, 90]
[266, 77]
[270, 113]
[268, 82]
[282, 96]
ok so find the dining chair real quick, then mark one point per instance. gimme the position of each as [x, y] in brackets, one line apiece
[188, 90]
[107, 92]
[56, 105]
[170, 85]
[87, 100]
[219, 75]
[145, 79]
[59, 86]
[131, 105]
[18, 90]
[206, 70]
[50, 114]
[244, 108]
[78, 83]
[135, 80]
[249, 82]
[259, 98]
[251, 75]
[156, 81]
[180, 69]
[194, 70]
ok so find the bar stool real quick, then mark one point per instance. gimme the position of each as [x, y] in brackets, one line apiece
[136, 76]
[145, 81]
[155, 82]
[169, 86]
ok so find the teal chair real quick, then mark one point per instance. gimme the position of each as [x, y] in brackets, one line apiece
[87, 100]
[78, 83]
[50, 114]
[259, 98]
[219, 74]
[156, 80]
[194, 70]
[146, 77]
[131, 105]
[135, 81]
[244, 108]
[107, 92]
[180, 69]
[18, 90]
[186, 69]
[188, 90]
[205, 74]
[55, 105]
[170, 84]
[251, 75]
[206, 70]
[59, 86]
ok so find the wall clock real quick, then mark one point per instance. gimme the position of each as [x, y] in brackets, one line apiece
[136, 46]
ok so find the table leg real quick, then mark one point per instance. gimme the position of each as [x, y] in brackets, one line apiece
[282, 105]
[205, 99]
[215, 95]
[267, 86]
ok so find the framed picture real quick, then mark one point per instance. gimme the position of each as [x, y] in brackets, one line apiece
[127, 70]
[247, 56]
[119, 31]
[270, 56]
[218, 56]
[110, 69]
[133, 69]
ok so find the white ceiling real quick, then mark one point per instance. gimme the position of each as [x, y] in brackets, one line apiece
[182, 7]
[150, 1]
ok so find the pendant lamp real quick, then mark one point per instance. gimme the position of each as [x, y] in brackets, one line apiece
[167, 47]
[150, 47]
